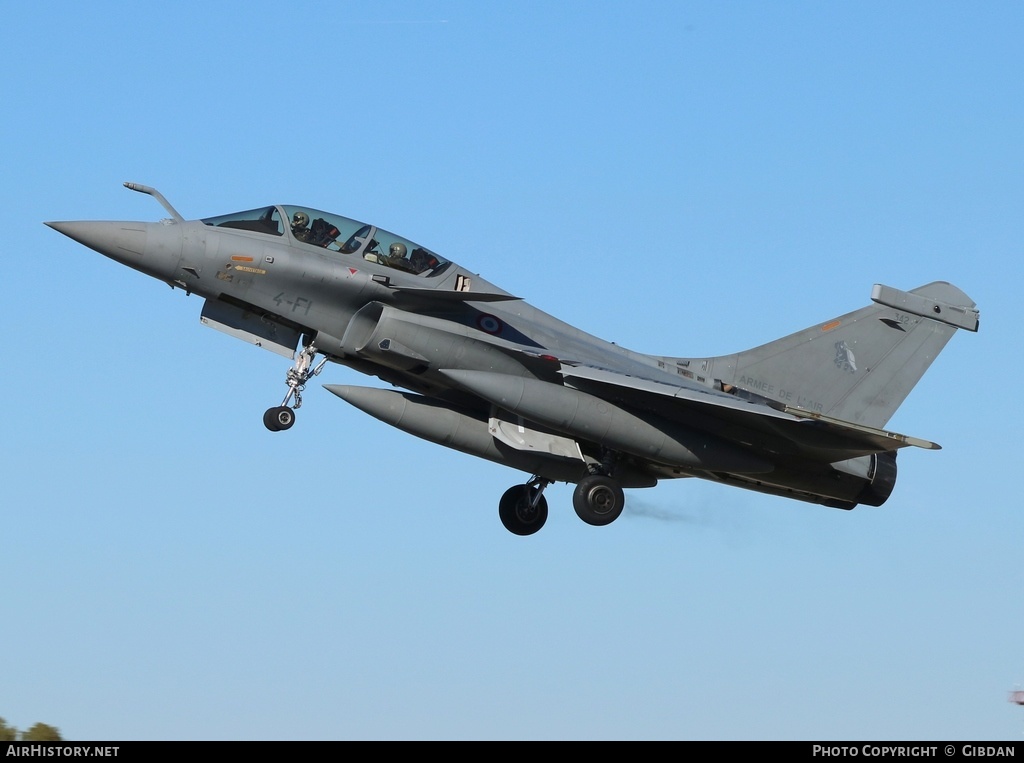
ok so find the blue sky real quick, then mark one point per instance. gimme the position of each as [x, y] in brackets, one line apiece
[686, 178]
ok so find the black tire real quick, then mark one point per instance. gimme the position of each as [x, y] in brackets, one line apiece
[268, 420]
[516, 513]
[278, 419]
[598, 500]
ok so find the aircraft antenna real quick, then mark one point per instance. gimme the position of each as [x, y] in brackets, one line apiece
[156, 195]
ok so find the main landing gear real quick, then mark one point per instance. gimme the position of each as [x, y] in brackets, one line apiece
[523, 508]
[282, 417]
[598, 500]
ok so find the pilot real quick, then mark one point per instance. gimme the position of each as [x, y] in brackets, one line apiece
[395, 257]
[300, 227]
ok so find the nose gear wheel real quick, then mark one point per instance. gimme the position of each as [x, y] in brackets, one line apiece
[282, 417]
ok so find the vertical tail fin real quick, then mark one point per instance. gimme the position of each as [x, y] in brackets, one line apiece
[860, 366]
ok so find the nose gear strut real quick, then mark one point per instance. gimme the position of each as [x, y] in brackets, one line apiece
[282, 417]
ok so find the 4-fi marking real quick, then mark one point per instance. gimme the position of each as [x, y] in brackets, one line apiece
[298, 305]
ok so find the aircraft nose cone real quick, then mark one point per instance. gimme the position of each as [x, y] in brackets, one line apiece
[124, 242]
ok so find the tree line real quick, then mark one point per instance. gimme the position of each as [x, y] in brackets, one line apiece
[37, 732]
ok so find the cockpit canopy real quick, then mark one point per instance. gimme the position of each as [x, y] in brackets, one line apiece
[336, 234]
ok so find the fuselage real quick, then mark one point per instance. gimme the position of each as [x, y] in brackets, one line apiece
[316, 286]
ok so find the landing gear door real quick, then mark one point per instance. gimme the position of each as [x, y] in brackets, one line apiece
[512, 430]
[250, 327]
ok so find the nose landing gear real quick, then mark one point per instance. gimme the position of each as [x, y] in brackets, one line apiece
[282, 417]
[279, 418]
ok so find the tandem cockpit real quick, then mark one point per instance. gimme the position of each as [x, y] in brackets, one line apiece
[335, 233]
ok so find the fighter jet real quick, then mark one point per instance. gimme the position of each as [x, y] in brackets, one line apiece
[477, 369]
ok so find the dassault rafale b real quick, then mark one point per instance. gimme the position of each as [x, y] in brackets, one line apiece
[477, 369]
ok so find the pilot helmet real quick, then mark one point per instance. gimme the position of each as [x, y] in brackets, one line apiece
[397, 250]
[300, 220]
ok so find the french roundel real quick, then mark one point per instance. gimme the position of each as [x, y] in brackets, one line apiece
[489, 323]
